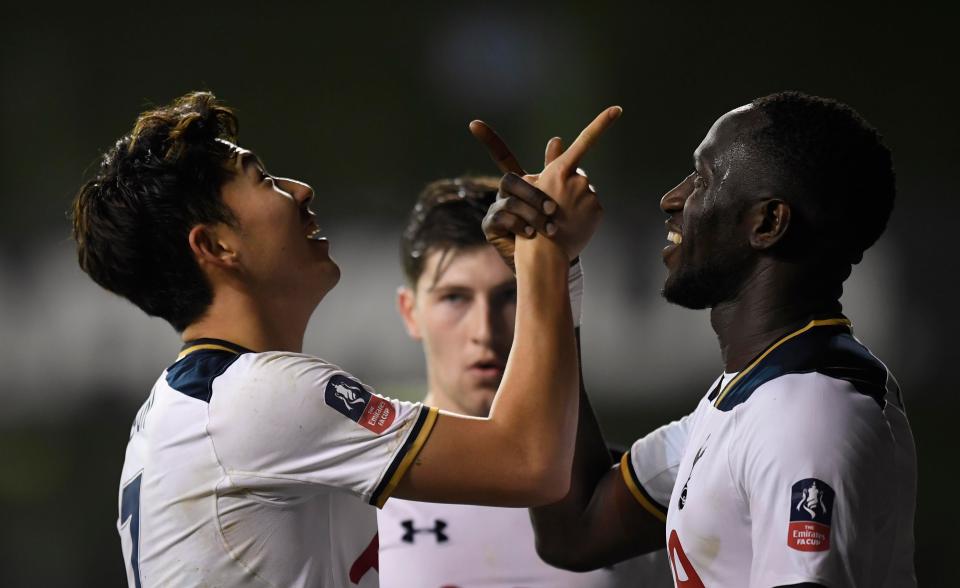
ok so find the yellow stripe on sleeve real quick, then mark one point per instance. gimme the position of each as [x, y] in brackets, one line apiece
[410, 455]
[635, 490]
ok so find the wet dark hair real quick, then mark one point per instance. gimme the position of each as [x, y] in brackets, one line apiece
[132, 220]
[834, 165]
[447, 216]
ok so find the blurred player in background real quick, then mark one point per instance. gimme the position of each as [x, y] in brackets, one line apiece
[460, 302]
[798, 466]
[251, 463]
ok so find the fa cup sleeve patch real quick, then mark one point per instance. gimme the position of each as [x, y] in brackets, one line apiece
[811, 510]
[348, 397]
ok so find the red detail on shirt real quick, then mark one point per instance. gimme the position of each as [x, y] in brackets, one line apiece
[378, 415]
[676, 553]
[808, 536]
[368, 560]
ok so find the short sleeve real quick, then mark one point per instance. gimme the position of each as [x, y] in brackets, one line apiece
[649, 469]
[813, 459]
[289, 423]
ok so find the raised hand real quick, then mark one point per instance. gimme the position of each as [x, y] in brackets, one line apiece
[523, 213]
[524, 206]
[580, 212]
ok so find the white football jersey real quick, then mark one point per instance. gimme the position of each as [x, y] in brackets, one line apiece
[260, 469]
[800, 468]
[424, 545]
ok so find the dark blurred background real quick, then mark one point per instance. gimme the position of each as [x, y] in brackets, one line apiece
[367, 102]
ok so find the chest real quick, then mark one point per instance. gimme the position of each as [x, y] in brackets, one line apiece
[708, 519]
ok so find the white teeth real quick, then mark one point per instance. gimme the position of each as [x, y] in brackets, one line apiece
[315, 234]
[674, 237]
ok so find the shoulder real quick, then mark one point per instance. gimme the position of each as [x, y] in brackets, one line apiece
[287, 387]
[813, 401]
[835, 354]
[811, 418]
[279, 370]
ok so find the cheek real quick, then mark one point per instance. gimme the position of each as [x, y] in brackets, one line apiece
[441, 326]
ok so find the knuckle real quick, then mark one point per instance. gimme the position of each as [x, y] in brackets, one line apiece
[579, 183]
[512, 204]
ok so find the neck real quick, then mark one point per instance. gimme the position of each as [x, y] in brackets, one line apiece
[776, 300]
[443, 402]
[237, 317]
[447, 402]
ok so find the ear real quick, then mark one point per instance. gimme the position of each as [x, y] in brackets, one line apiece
[769, 221]
[406, 306]
[210, 247]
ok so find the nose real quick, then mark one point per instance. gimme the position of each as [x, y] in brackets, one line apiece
[481, 322]
[675, 198]
[300, 191]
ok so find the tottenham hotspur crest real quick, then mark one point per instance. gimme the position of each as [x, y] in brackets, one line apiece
[683, 493]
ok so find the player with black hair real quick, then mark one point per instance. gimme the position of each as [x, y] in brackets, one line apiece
[251, 463]
[798, 466]
[459, 301]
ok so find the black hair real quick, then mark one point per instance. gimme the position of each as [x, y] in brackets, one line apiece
[448, 215]
[132, 220]
[834, 165]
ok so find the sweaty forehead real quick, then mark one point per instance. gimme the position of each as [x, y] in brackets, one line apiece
[726, 130]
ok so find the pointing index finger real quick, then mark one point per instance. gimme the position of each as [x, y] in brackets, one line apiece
[588, 136]
[499, 152]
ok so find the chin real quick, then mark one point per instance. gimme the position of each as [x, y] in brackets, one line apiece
[331, 275]
[323, 283]
[706, 285]
[687, 293]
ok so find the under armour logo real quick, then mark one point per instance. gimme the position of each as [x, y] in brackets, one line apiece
[438, 527]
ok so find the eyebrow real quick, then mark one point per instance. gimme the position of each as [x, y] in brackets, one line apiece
[248, 158]
[708, 164]
[458, 287]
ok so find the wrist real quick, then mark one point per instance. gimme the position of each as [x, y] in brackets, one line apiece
[540, 252]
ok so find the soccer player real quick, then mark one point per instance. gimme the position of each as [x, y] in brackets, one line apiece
[798, 466]
[251, 463]
[460, 302]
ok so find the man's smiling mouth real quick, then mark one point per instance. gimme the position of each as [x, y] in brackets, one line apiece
[314, 233]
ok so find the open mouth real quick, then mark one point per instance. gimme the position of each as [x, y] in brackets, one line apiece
[490, 368]
[675, 238]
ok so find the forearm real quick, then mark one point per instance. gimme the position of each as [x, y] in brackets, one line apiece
[536, 406]
[557, 525]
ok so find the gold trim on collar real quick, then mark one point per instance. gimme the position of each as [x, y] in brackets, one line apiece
[754, 363]
[190, 350]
